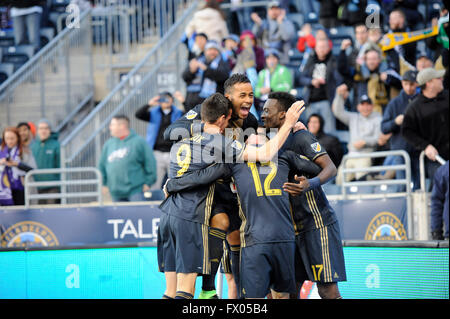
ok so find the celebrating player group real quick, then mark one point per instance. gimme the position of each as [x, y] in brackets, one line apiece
[248, 198]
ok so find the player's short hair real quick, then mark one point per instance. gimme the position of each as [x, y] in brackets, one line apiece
[122, 117]
[235, 79]
[214, 107]
[285, 99]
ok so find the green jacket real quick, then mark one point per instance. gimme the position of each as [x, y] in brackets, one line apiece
[280, 80]
[47, 155]
[126, 165]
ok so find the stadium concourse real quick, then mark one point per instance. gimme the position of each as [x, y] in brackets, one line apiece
[88, 88]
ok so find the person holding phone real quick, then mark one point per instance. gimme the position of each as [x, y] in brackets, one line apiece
[159, 112]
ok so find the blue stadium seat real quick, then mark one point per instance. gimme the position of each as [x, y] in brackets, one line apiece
[6, 70]
[6, 38]
[17, 55]
[386, 189]
[331, 189]
[297, 19]
[360, 189]
[59, 5]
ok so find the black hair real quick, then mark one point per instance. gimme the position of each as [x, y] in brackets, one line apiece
[214, 107]
[122, 117]
[234, 79]
[285, 100]
[202, 34]
[23, 124]
[321, 121]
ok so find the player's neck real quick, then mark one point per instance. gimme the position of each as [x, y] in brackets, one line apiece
[211, 128]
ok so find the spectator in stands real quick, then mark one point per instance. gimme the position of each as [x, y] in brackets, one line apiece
[46, 152]
[409, 7]
[209, 20]
[198, 47]
[397, 23]
[258, 51]
[377, 79]
[276, 31]
[26, 136]
[205, 75]
[347, 64]
[320, 78]
[127, 163]
[426, 117]
[439, 204]
[275, 77]
[352, 12]
[328, 13]
[160, 113]
[392, 122]
[26, 15]
[331, 143]
[14, 164]
[306, 40]
[230, 46]
[246, 61]
[364, 130]
[423, 62]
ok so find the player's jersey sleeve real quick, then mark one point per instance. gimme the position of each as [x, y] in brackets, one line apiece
[301, 163]
[198, 177]
[186, 126]
[309, 146]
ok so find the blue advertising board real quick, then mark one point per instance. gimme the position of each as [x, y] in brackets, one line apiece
[369, 219]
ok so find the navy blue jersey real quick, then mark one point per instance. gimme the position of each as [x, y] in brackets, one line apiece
[264, 207]
[193, 155]
[311, 210]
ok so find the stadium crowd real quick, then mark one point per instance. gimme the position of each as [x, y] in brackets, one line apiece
[360, 98]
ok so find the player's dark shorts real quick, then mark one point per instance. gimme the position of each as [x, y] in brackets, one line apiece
[319, 255]
[182, 246]
[267, 266]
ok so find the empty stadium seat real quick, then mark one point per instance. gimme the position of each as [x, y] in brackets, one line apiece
[6, 70]
[17, 55]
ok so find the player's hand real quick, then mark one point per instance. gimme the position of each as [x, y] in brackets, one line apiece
[294, 113]
[299, 126]
[295, 189]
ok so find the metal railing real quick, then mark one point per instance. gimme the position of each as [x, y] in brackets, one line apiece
[422, 170]
[159, 70]
[53, 83]
[81, 176]
[406, 181]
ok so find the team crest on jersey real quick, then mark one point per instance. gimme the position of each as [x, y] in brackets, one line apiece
[28, 234]
[316, 147]
[191, 115]
[236, 145]
[385, 226]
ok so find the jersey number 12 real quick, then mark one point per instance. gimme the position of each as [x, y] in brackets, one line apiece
[267, 190]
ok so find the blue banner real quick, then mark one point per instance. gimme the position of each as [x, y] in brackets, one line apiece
[370, 219]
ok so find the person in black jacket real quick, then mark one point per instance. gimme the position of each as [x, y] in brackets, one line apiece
[426, 119]
[26, 16]
[392, 121]
[320, 79]
[205, 75]
[331, 143]
[439, 204]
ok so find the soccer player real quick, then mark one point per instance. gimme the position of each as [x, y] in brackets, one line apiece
[183, 232]
[267, 232]
[225, 219]
[319, 252]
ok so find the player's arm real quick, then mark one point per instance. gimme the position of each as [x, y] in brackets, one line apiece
[327, 171]
[184, 127]
[197, 178]
[266, 152]
[301, 165]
